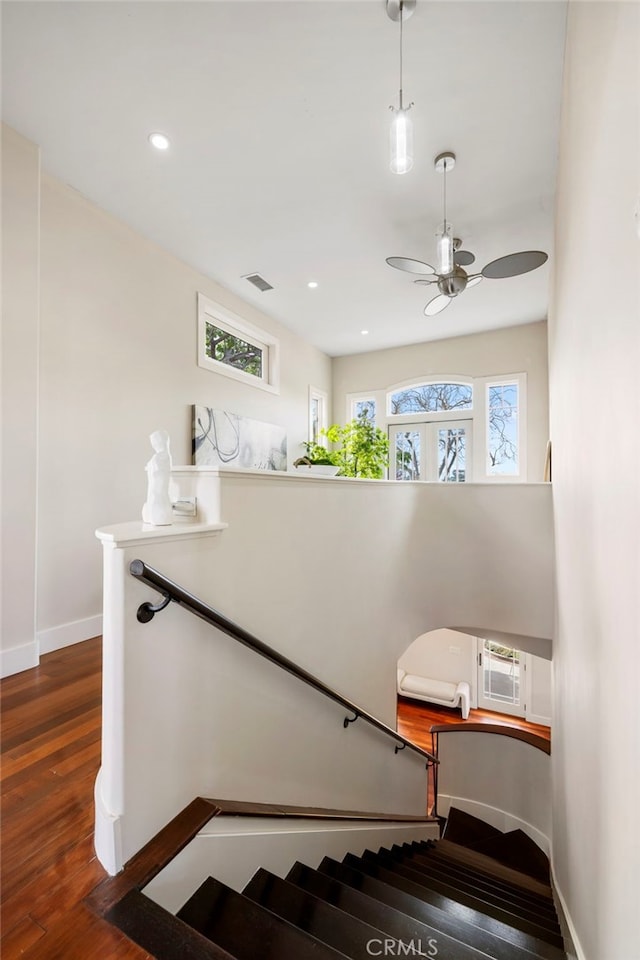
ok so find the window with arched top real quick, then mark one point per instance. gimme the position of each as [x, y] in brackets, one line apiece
[451, 428]
[430, 398]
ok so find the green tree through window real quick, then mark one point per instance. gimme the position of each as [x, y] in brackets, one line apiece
[229, 349]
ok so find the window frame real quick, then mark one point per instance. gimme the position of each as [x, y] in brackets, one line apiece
[485, 383]
[323, 419]
[214, 313]
[458, 413]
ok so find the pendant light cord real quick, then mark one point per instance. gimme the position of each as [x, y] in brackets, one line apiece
[401, 19]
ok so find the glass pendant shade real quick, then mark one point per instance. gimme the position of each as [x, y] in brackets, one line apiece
[401, 141]
[444, 250]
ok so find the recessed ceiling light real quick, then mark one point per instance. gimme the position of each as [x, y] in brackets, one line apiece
[159, 141]
[312, 284]
[364, 333]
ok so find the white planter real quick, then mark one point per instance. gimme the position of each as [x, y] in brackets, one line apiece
[318, 469]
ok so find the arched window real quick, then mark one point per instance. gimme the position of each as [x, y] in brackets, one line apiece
[430, 398]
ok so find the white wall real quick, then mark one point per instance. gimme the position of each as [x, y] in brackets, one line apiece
[453, 656]
[443, 655]
[594, 360]
[338, 575]
[117, 360]
[512, 350]
[20, 291]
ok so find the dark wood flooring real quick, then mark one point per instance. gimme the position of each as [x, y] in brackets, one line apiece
[50, 754]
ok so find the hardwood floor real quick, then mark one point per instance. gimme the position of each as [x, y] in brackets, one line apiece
[50, 753]
[415, 719]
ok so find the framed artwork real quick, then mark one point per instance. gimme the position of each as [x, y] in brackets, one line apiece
[221, 438]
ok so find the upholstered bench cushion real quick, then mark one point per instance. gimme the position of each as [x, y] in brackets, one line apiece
[426, 687]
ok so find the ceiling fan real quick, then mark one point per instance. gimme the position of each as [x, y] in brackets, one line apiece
[449, 274]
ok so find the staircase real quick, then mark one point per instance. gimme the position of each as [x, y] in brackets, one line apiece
[475, 893]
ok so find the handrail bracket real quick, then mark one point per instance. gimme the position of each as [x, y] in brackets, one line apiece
[147, 611]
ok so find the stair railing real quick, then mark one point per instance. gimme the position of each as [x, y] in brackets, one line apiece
[172, 592]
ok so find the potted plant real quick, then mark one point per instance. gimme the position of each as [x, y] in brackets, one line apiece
[360, 450]
[317, 460]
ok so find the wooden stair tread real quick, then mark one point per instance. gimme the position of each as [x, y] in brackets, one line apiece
[479, 900]
[247, 930]
[431, 852]
[489, 865]
[444, 868]
[401, 915]
[518, 851]
[456, 909]
[463, 828]
[159, 932]
[343, 930]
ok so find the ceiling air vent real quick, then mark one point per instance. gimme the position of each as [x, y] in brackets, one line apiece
[258, 281]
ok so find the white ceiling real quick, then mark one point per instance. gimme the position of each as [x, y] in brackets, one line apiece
[278, 117]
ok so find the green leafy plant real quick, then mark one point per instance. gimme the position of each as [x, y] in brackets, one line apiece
[315, 454]
[360, 449]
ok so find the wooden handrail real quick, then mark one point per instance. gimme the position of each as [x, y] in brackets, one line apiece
[173, 592]
[503, 730]
[247, 808]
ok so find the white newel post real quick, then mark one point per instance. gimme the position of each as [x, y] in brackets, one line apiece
[121, 544]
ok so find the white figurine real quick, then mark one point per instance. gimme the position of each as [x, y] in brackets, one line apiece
[157, 509]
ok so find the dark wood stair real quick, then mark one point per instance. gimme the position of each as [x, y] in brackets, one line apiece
[513, 849]
[428, 898]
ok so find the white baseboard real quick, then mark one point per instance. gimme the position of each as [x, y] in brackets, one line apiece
[69, 633]
[577, 953]
[17, 659]
[499, 819]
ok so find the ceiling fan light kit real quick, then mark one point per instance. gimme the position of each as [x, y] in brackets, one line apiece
[401, 123]
[449, 274]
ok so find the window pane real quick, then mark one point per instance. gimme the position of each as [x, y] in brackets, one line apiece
[501, 672]
[407, 455]
[503, 430]
[315, 418]
[227, 348]
[431, 397]
[366, 409]
[452, 460]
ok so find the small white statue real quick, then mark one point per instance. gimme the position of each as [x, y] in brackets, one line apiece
[157, 509]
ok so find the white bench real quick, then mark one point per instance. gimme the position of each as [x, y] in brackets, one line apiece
[435, 691]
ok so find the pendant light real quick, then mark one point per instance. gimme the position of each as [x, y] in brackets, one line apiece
[401, 123]
[444, 237]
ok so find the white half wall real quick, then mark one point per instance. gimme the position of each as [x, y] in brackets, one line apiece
[594, 359]
[20, 332]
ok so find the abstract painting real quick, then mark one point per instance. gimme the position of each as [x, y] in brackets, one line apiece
[221, 438]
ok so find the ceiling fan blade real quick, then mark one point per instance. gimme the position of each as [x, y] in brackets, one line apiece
[474, 280]
[411, 266]
[425, 283]
[514, 264]
[463, 258]
[437, 305]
